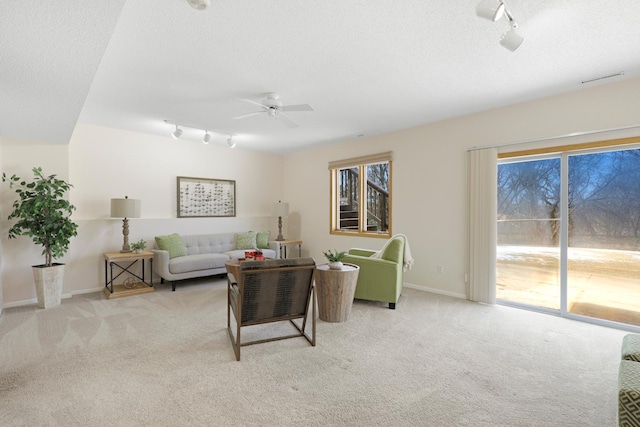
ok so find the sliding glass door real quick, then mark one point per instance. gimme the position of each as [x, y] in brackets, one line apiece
[569, 234]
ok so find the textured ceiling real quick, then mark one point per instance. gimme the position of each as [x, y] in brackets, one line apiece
[366, 66]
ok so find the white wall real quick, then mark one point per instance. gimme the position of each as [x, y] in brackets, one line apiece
[104, 163]
[429, 185]
[429, 174]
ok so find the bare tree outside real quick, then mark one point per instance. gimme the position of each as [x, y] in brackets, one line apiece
[604, 233]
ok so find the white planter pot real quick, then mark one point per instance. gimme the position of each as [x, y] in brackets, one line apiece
[335, 265]
[48, 281]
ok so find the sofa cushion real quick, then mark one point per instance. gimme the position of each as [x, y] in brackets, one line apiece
[197, 262]
[171, 243]
[262, 239]
[246, 240]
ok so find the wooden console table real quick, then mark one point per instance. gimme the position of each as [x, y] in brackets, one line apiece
[125, 261]
[335, 289]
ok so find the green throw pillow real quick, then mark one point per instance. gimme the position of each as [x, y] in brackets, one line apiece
[173, 244]
[246, 240]
[262, 240]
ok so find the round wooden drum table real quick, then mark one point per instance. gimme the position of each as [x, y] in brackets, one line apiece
[335, 290]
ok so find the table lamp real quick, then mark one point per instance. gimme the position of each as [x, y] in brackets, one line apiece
[280, 209]
[125, 208]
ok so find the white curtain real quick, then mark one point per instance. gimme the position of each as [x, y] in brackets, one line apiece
[482, 185]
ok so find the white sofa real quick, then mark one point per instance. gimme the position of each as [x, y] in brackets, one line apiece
[205, 256]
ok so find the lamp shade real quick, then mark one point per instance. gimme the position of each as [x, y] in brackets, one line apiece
[125, 208]
[280, 209]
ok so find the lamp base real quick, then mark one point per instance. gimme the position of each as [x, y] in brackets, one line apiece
[280, 238]
[125, 234]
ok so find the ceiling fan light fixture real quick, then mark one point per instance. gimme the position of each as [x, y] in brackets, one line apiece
[511, 40]
[206, 138]
[492, 10]
[199, 4]
[231, 142]
[177, 133]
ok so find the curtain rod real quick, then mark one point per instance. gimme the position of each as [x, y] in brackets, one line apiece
[550, 138]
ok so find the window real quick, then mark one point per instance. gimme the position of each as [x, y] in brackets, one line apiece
[361, 196]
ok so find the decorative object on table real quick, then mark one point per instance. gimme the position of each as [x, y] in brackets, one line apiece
[44, 215]
[335, 259]
[125, 208]
[139, 246]
[255, 255]
[280, 209]
[130, 283]
[204, 197]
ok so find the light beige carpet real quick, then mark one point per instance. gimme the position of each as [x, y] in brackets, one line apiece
[165, 359]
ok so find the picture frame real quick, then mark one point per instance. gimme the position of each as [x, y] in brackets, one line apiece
[206, 197]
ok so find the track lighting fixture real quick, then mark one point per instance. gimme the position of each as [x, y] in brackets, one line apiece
[494, 10]
[177, 133]
[207, 133]
[511, 40]
[490, 9]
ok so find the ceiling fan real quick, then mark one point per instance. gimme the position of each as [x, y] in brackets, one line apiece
[274, 108]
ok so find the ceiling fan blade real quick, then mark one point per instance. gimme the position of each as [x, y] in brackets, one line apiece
[253, 102]
[249, 115]
[299, 107]
[287, 121]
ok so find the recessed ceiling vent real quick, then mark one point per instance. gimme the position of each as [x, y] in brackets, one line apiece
[621, 73]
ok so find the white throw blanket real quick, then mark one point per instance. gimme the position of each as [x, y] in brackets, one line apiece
[407, 262]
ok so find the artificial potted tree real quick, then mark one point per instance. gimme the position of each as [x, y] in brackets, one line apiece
[44, 215]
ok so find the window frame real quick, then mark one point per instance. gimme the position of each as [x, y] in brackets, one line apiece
[361, 163]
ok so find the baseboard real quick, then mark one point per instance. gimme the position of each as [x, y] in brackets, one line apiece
[435, 291]
[34, 301]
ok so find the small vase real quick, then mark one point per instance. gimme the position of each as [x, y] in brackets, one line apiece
[138, 251]
[335, 265]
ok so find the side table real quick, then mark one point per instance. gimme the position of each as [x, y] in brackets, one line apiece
[282, 247]
[336, 289]
[124, 261]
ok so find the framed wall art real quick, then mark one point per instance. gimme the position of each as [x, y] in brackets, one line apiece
[204, 197]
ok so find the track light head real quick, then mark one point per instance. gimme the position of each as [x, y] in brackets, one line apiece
[177, 133]
[511, 40]
[231, 142]
[206, 138]
[199, 4]
[490, 9]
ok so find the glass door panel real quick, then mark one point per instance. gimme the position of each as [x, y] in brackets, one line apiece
[528, 252]
[603, 277]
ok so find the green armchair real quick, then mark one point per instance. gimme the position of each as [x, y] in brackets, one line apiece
[380, 279]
